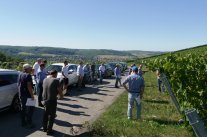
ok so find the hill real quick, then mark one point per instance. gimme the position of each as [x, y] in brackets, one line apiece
[198, 49]
[28, 53]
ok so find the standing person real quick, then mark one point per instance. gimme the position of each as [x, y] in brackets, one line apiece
[117, 73]
[80, 73]
[93, 68]
[65, 75]
[101, 72]
[140, 72]
[34, 71]
[41, 75]
[130, 69]
[25, 91]
[160, 85]
[135, 92]
[86, 77]
[51, 88]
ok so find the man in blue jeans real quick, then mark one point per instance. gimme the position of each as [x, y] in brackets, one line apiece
[135, 91]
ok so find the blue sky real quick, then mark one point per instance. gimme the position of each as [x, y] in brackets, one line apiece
[151, 25]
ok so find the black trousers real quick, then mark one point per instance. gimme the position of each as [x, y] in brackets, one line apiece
[26, 111]
[49, 115]
[40, 92]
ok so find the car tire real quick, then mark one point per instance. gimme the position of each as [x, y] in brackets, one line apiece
[16, 105]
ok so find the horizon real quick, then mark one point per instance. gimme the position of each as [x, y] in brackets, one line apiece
[111, 24]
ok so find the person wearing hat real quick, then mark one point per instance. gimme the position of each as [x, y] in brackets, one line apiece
[51, 89]
[135, 91]
[24, 84]
[41, 75]
[117, 73]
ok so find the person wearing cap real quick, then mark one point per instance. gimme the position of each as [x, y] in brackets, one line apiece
[117, 73]
[34, 71]
[135, 91]
[41, 75]
[24, 84]
[51, 89]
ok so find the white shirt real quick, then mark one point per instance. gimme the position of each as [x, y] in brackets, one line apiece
[65, 70]
[36, 67]
[102, 68]
[80, 71]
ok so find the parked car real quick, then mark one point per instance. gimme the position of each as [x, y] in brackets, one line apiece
[72, 71]
[113, 66]
[8, 90]
[108, 72]
[124, 64]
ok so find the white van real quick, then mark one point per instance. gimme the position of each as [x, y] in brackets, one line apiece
[8, 90]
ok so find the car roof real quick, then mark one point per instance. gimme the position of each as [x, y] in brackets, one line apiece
[62, 64]
[7, 70]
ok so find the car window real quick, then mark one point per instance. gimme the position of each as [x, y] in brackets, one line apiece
[72, 67]
[7, 79]
[54, 67]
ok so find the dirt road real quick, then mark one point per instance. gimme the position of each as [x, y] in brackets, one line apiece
[74, 113]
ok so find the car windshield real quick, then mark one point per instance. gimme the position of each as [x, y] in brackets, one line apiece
[58, 68]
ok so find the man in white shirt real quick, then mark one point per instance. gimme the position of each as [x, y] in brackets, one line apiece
[80, 73]
[101, 72]
[35, 68]
[65, 75]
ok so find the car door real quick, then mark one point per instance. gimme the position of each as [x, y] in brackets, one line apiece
[8, 89]
[71, 75]
[75, 77]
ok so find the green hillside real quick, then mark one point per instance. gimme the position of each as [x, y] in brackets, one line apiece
[198, 49]
[56, 54]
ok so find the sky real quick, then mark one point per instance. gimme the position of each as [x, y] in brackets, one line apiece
[149, 25]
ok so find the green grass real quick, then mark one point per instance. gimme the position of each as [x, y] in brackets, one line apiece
[159, 117]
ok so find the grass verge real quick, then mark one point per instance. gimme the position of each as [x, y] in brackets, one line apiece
[159, 116]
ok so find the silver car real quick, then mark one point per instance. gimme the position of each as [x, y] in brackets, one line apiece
[72, 71]
[8, 90]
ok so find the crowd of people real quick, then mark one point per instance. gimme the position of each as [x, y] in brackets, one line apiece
[48, 87]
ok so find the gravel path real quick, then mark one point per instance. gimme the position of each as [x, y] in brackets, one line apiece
[75, 112]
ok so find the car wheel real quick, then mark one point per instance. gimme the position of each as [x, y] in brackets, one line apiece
[16, 105]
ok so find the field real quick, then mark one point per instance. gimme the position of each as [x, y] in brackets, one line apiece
[159, 116]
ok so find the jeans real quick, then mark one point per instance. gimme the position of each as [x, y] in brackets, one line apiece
[117, 80]
[161, 86]
[101, 77]
[26, 111]
[131, 98]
